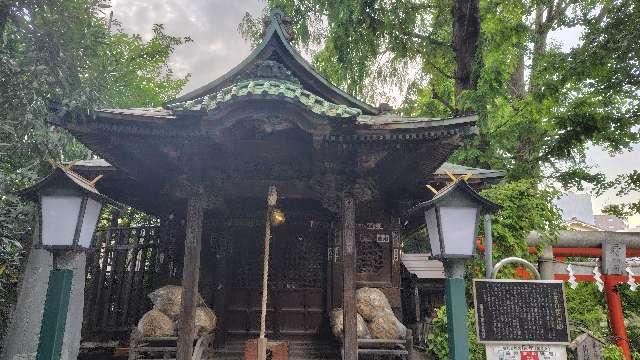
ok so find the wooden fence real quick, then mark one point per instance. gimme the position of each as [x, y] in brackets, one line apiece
[122, 269]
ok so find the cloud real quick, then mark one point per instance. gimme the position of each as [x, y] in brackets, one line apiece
[212, 24]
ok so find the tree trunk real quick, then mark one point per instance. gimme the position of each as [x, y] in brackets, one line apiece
[466, 31]
[540, 32]
[516, 82]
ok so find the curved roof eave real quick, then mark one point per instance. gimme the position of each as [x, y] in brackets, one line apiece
[275, 29]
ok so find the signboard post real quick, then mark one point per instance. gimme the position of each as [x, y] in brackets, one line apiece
[521, 320]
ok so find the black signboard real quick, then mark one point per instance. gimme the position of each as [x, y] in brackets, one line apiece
[514, 311]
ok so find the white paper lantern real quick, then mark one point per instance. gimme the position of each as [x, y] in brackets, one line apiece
[69, 208]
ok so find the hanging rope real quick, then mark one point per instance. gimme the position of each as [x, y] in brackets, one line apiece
[271, 203]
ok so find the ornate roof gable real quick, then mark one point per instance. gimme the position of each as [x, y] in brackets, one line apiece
[266, 78]
[275, 60]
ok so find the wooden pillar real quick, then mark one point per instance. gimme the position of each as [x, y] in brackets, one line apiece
[348, 229]
[222, 251]
[190, 276]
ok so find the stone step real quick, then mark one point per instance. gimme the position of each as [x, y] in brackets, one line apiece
[298, 350]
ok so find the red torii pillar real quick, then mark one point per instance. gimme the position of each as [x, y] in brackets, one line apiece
[616, 315]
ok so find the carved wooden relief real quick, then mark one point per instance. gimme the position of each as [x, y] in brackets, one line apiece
[378, 254]
[371, 257]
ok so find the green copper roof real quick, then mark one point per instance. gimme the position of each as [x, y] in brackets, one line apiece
[276, 45]
[273, 87]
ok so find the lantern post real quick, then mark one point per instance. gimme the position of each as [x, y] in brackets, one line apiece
[68, 210]
[452, 218]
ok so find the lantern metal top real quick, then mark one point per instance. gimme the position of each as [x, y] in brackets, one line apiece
[456, 187]
[63, 176]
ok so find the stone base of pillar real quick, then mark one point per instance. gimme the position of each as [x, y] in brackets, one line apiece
[23, 337]
[21, 341]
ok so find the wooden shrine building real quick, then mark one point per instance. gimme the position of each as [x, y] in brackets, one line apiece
[203, 163]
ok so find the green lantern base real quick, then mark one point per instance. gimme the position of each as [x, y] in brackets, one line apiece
[456, 319]
[55, 314]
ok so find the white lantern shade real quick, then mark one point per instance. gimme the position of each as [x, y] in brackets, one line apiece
[452, 230]
[89, 222]
[458, 228]
[431, 220]
[451, 218]
[61, 217]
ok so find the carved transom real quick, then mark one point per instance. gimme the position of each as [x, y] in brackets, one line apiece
[370, 257]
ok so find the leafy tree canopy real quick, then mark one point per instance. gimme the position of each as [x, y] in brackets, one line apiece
[70, 53]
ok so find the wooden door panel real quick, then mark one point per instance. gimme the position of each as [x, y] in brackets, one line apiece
[297, 281]
[289, 312]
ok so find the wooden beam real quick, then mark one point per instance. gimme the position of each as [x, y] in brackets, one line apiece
[190, 277]
[348, 229]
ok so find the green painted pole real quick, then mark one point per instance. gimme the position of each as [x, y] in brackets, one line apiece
[456, 319]
[55, 314]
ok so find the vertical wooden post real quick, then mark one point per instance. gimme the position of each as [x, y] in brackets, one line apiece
[396, 249]
[222, 251]
[488, 246]
[190, 276]
[348, 229]
[330, 266]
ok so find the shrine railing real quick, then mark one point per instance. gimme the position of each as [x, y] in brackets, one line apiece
[121, 271]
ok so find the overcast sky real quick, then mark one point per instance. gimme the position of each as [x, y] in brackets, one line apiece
[217, 46]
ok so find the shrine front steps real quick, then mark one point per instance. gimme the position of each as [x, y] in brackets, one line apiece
[298, 350]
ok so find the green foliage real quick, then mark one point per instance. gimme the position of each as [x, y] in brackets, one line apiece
[11, 254]
[437, 340]
[587, 310]
[632, 321]
[612, 352]
[524, 207]
[64, 53]
[357, 33]
[416, 243]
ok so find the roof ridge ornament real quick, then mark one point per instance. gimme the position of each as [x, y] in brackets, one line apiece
[278, 18]
[268, 69]
[385, 108]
